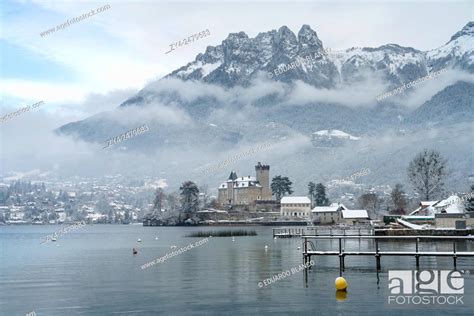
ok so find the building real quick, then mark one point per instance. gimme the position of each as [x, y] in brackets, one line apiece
[446, 220]
[427, 210]
[295, 206]
[246, 190]
[352, 217]
[328, 214]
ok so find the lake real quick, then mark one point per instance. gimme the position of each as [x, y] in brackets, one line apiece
[91, 271]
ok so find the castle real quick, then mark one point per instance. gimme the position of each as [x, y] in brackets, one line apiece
[246, 190]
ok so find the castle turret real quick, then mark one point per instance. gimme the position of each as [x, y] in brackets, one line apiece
[230, 187]
[263, 177]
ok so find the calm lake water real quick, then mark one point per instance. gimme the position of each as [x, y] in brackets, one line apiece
[91, 271]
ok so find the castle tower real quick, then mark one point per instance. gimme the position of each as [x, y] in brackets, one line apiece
[230, 188]
[263, 177]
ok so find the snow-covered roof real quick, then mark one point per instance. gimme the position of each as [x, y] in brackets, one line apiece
[339, 204]
[239, 183]
[408, 224]
[451, 205]
[427, 203]
[354, 214]
[295, 199]
[249, 178]
[325, 209]
[245, 184]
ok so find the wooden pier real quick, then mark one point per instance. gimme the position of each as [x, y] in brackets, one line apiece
[289, 232]
[309, 249]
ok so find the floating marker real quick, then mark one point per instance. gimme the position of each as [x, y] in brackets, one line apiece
[341, 284]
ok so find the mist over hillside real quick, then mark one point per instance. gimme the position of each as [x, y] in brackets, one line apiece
[229, 99]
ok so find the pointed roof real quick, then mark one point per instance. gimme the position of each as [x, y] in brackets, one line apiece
[232, 176]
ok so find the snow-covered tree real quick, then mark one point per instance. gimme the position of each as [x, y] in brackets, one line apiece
[426, 173]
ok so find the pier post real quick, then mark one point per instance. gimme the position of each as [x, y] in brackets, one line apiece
[454, 254]
[377, 255]
[341, 255]
[417, 256]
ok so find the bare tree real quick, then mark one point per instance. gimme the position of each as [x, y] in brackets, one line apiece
[398, 199]
[205, 197]
[426, 172]
[370, 202]
[158, 202]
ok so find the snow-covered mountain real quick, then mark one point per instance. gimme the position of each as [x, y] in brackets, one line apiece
[239, 58]
[331, 138]
[225, 100]
[458, 52]
[335, 133]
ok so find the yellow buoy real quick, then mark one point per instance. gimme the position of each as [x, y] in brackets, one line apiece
[341, 284]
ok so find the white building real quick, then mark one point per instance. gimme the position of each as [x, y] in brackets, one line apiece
[295, 206]
[428, 209]
[328, 214]
[354, 216]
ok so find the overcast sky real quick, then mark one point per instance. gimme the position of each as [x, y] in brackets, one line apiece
[117, 51]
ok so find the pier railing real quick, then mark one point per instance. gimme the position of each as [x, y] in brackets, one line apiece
[309, 249]
[288, 232]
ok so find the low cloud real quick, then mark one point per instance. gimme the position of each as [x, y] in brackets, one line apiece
[358, 94]
[416, 96]
[153, 112]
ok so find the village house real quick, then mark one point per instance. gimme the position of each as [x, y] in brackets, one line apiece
[295, 206]
[351, 217]
[328, 214]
